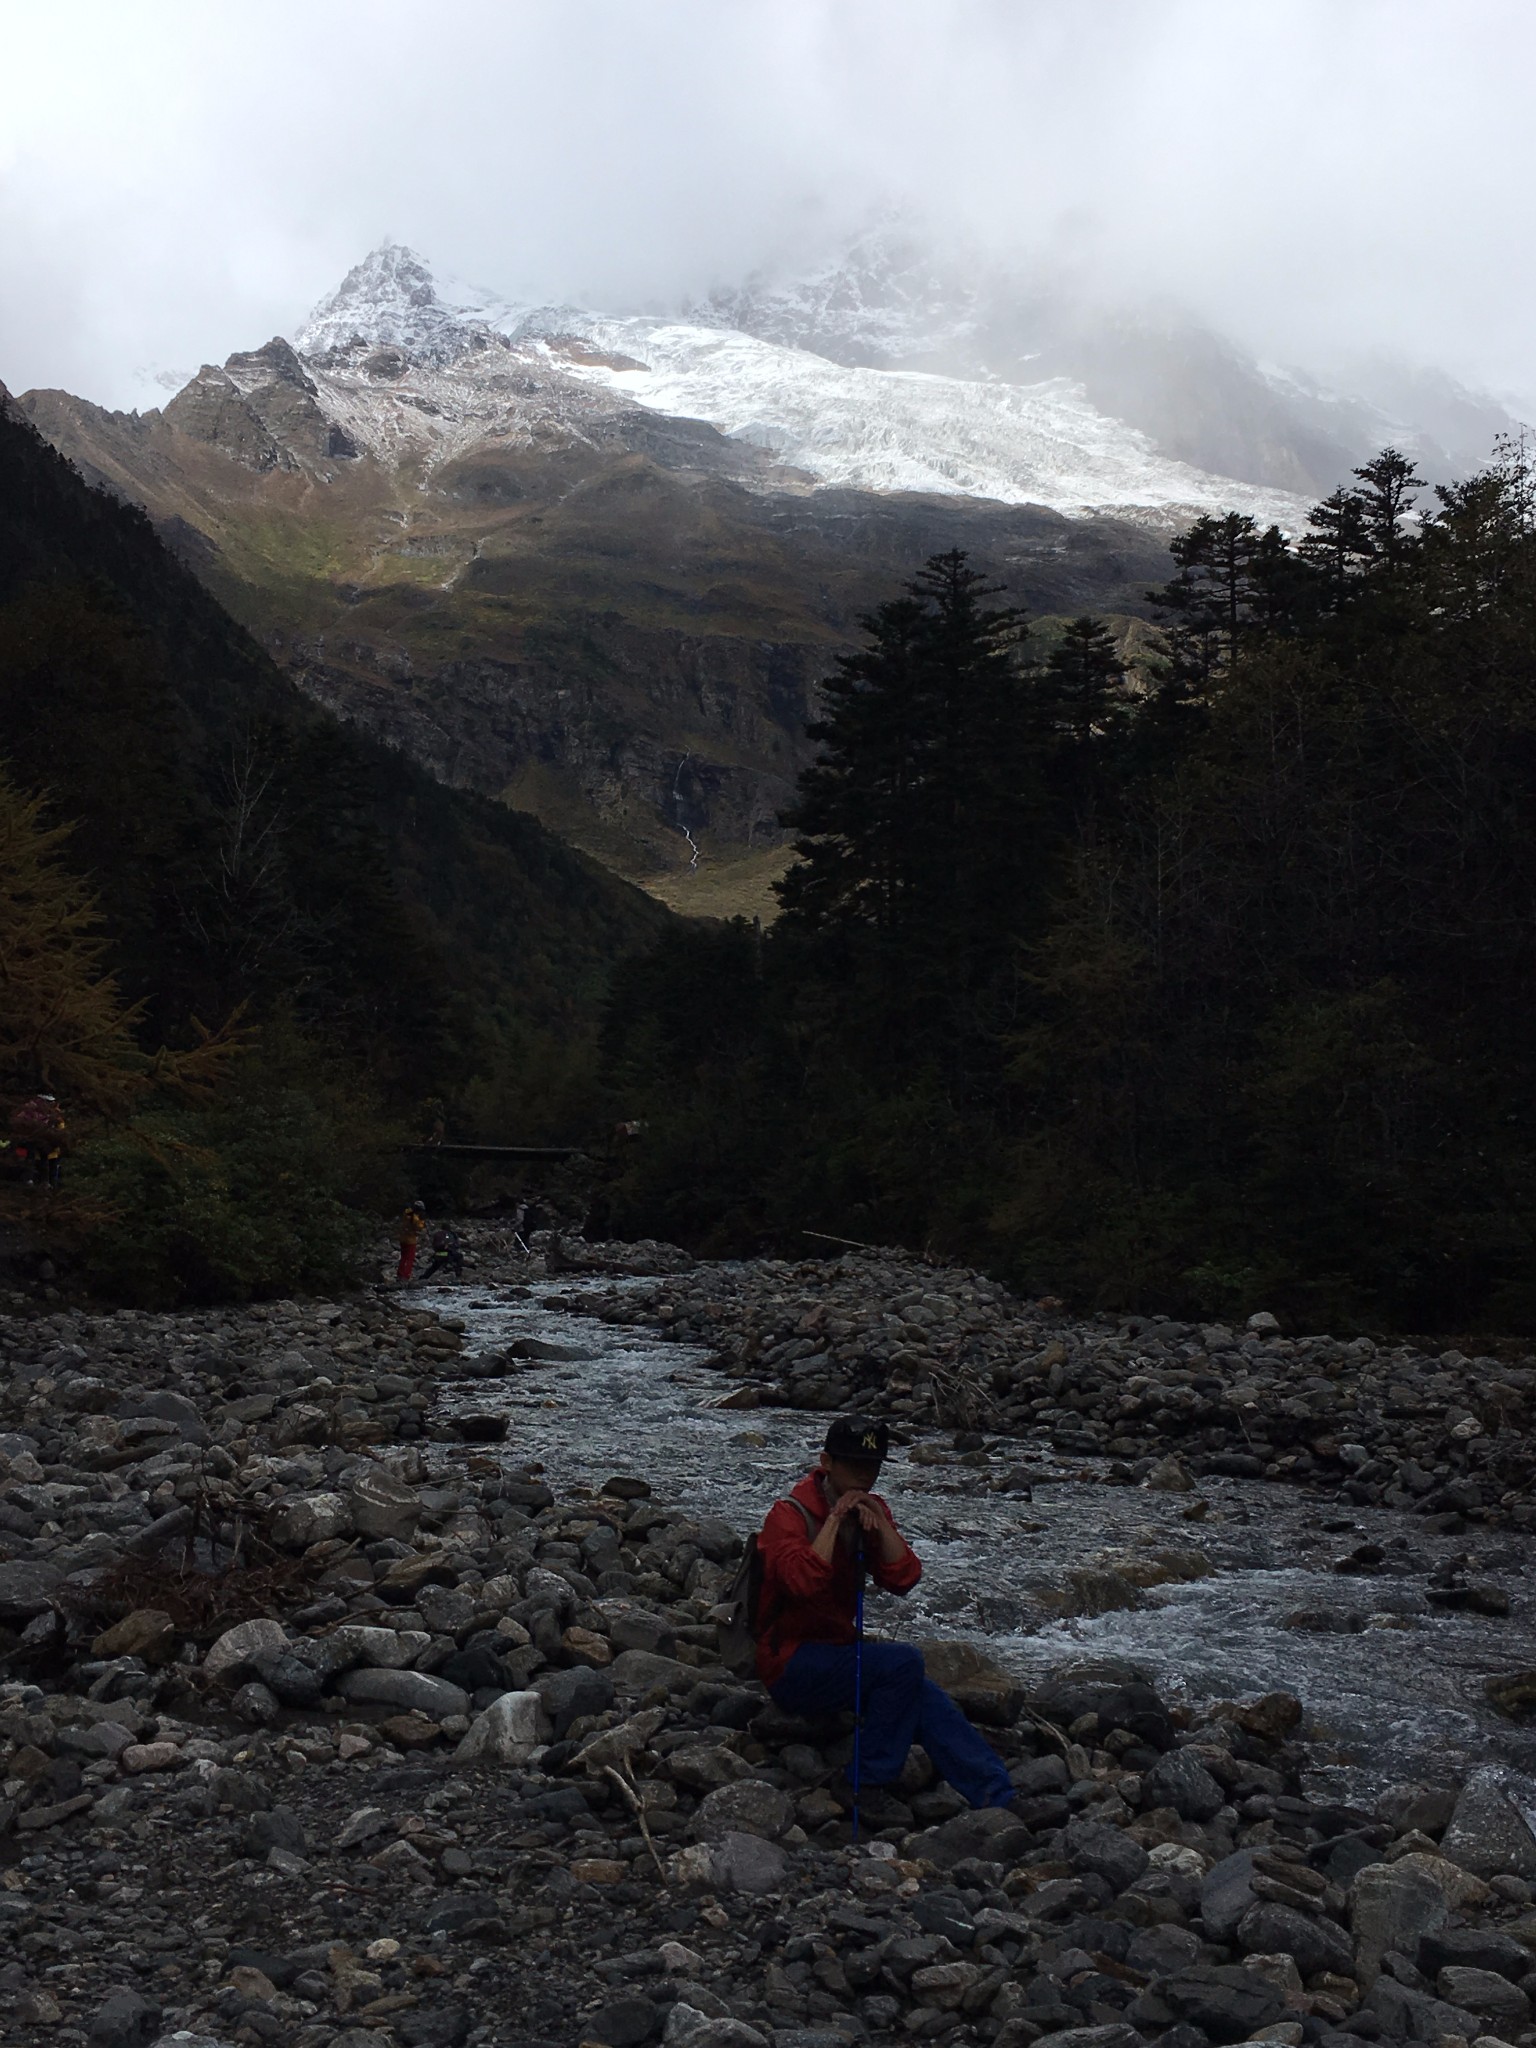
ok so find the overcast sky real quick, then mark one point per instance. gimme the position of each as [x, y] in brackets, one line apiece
[181, 178]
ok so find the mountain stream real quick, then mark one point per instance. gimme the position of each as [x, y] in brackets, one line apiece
[1242, 1598]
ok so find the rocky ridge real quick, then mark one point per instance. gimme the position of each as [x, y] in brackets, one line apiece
[321, 1723]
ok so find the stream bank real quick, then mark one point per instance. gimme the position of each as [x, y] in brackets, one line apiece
[358, 1691]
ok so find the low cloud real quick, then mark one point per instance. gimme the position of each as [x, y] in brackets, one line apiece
[177, 180]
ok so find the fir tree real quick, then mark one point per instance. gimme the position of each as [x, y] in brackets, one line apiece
[1082, 690]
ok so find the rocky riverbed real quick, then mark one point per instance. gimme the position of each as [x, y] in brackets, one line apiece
[359, 1682]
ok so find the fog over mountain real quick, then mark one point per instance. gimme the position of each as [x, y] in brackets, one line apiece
[1336, 188]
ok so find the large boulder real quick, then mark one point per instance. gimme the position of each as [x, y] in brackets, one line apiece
[383, 1508]
[1226, 2003]
[1489, 1833]
[27, 1587]
[1390, 1909]
[506, 1733]
[989, 1833]
[1181, 1781]
[313, 1518]
[242, 1647]
[750, 1807]
[569, 1695]
[408, 1691]
[636, 1671]
[1487, 1993]
[1090, 1847]
[1227, 1893]
[1270, 1929]
[748, 1863]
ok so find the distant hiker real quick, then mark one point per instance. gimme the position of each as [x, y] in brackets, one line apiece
[446, 1251]
[412, 1224]
[814, 1547]
[37, 1139]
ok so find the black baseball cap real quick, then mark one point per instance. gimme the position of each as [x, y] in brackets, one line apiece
[860, 1439]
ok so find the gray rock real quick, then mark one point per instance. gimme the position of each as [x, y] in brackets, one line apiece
[748, 1863]
[1488, 1832]
[1484, 1992]
[706, 1766]
[410, 1691]
[124, 2020]
[636, 1628]
[548, 1589]
[1390, 1908]
[1181, 1781]
[255, 1704]
[750, 1807]
[567, 1695]
[387, 1649]
[1476, 1948]
[1092, 2037]
[241, 1647]
[382, 1507]
[1225, 2002]
[687, 2027]
[1162, 1951]
[989, 1833]
[636, 1671]
[1422, 1808]
[622, 2022]
[506, 1733]
[1107, 1852]
[1409, 2015]
[314, 1518]
[446, 1610]
[27, 1587]
[1040, 1774]
[1269, 1929]
[278, 1828]
[363, 1825]
[294, 1680]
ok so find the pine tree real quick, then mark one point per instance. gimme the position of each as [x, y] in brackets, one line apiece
[1210, 603]
[1082, 691]
[1386, 502]
[862, 803]
[909, 818]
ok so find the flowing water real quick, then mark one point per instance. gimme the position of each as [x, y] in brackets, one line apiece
[1395, 1693]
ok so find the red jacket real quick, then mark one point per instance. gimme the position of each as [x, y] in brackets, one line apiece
[804, 1600]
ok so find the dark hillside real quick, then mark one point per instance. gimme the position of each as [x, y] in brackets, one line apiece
[245, 845]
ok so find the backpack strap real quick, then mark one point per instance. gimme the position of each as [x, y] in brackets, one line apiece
[788, 1500]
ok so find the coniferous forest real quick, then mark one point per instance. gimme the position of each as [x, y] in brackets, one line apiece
[1200, 989]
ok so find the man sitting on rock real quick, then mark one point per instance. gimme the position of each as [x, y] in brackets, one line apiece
[814, 1546]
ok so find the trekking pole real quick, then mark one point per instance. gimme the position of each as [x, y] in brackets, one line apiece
[858, 1683]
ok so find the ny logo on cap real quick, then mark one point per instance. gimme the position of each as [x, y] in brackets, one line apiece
[869, 1441]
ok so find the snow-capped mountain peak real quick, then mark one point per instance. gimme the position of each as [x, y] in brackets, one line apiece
[392, 300]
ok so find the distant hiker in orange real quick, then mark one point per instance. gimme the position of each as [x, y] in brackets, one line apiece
[412, 1224]
[37, 1138]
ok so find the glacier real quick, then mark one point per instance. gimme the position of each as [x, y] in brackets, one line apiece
[471, 365]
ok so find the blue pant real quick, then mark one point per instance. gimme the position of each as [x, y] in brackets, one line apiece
[901, 1706]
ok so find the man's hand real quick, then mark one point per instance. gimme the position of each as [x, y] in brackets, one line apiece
[871, 1516]
[872, 1520]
